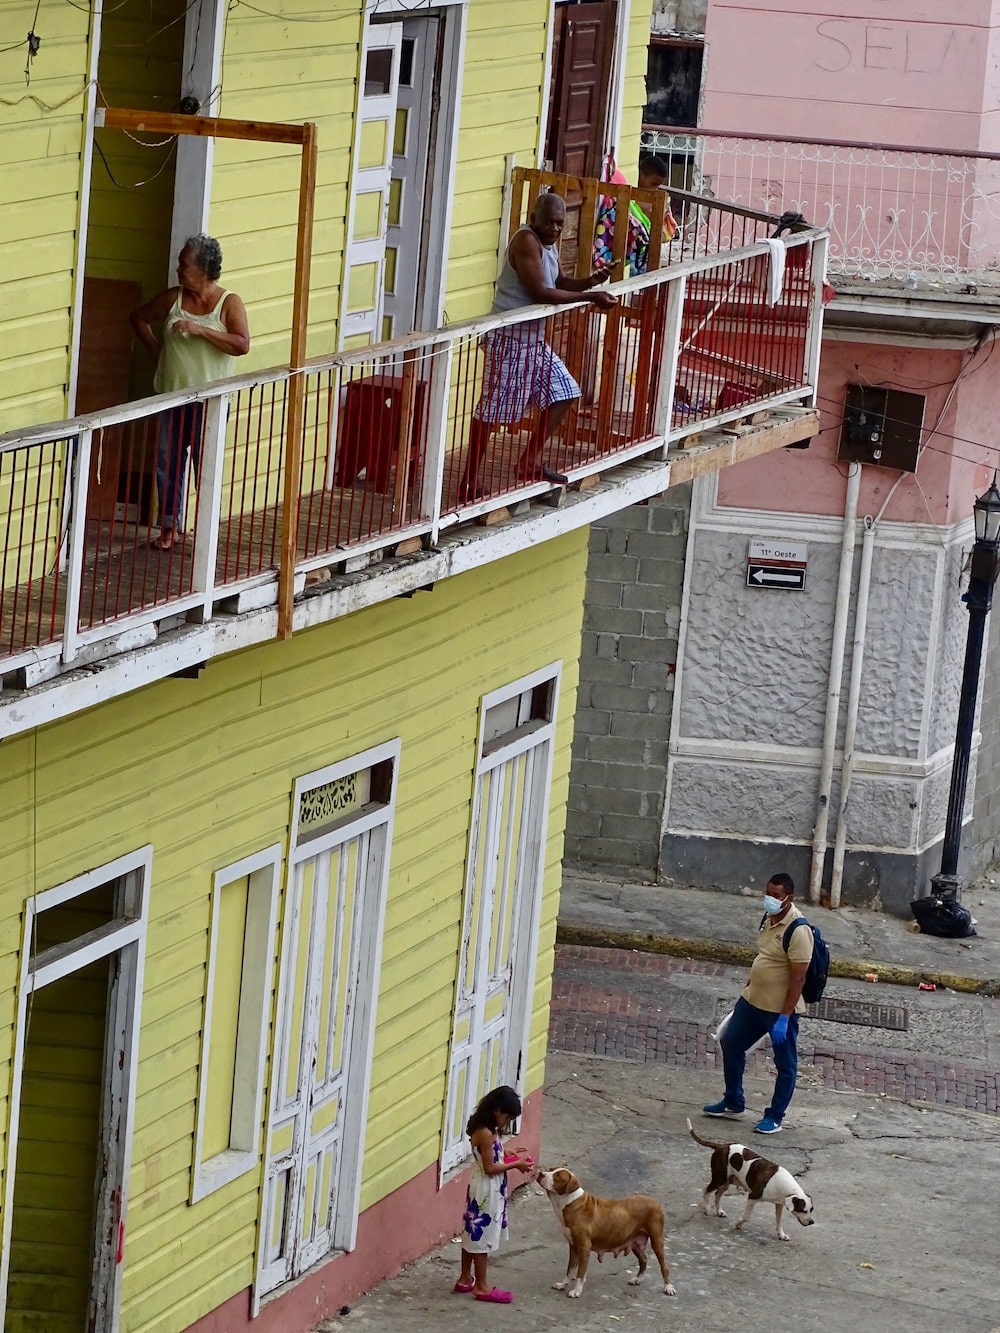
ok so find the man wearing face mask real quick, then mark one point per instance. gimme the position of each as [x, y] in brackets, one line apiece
[770, 1005]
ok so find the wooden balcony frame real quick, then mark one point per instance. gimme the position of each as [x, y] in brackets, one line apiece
[304, 137]
[69, 580]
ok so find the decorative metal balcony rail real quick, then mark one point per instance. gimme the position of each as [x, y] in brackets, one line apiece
[384, 450]
[898, 214]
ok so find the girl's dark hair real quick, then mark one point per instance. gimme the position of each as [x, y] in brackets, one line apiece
[485, 1115]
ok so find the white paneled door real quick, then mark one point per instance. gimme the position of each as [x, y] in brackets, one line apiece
[502, 901]
[370, 186]
[334, 907]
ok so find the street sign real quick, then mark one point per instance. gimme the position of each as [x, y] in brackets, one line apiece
[776, 576]
[776, 549]
[775, 563]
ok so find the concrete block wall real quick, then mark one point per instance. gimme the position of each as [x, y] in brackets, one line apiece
[628, 658]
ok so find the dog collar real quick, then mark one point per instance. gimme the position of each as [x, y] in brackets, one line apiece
[570, 1198]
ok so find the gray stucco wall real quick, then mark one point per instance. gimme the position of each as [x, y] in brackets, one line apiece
[986, 848]
[743, 778]
[629, 652]
[742, 766]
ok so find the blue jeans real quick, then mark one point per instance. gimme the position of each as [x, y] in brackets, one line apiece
[180, 434]
[747, 1025]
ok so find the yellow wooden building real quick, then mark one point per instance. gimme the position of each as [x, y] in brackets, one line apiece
[283, 813]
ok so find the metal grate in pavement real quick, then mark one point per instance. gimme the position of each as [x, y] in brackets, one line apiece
[863, 1013]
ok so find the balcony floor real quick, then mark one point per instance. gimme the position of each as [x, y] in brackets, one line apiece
[123, 574]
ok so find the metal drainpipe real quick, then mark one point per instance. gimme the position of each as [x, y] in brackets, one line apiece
[853, 701]
[834, 686]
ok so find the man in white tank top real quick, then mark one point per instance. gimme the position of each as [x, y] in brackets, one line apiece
[521, 367]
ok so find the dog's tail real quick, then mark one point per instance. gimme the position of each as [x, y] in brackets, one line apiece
[705, 1143]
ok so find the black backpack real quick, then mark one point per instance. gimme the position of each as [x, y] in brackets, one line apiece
[819, 965]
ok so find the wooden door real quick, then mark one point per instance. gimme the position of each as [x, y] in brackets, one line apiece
[581, 70]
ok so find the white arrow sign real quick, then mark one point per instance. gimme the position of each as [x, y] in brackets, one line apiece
[772, 576]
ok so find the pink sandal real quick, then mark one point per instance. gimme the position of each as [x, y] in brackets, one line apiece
[496, 1296]
[463, 1288]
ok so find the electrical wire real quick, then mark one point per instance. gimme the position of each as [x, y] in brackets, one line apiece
[943, 435]
[318, 17]
[105, 9]
[42, 104]
[136, 185]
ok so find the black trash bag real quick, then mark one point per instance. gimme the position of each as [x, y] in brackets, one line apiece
[943, 916]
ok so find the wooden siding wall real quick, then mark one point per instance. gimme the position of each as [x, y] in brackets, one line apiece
[40, 135]
[203, 769]
[288, 64]
[300, 68]
[290, 68]
[52, 1241]
[634, 92]
[502, 92]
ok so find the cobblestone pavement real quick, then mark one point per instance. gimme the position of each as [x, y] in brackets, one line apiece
[611, 1003]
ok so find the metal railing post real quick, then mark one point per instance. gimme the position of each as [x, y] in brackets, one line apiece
[208, 513]
[664, 410]
[814, 336]
[441, 366]
[79, 488]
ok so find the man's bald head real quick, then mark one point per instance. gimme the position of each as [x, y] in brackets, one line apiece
[549, 207]
[548, 218]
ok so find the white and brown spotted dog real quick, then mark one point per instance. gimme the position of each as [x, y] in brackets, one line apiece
[603, 1226]
[764, 1182]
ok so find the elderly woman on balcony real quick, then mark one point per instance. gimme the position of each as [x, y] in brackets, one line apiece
[204, 328]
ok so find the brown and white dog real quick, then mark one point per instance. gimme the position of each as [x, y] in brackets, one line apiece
[764, 1182]
[603, 1226]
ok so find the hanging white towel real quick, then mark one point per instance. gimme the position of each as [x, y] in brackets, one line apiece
[776, 270]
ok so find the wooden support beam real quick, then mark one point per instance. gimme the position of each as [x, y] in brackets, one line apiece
[404, 437]
[588, 225]
[206, 127]
[259, 131]
[715, 451]
[296, 384]
[657, 211]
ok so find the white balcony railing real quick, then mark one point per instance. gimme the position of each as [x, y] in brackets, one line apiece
[909, 216]
[384, 447]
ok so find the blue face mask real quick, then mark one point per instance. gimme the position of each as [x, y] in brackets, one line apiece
[772, 906]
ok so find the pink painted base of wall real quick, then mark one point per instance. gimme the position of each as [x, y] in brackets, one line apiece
[391, 1234]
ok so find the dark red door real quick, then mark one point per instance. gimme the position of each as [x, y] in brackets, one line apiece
[578, 102]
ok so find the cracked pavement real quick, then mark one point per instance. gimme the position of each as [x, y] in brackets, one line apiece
[902, 1184]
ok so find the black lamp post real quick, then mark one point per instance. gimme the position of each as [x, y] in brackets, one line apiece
[982, 576]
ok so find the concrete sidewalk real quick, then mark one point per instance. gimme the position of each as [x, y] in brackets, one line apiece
[905, 1234]
[704, 923]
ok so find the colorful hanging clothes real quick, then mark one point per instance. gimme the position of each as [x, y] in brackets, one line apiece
[637, 245]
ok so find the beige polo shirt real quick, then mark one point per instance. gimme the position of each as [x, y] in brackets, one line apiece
[768, 983]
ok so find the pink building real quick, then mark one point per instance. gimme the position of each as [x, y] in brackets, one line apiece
[806, 716]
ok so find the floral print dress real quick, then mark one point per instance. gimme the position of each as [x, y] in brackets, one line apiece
[484, 1226]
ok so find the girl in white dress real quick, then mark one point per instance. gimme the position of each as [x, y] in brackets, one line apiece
[484, 1226]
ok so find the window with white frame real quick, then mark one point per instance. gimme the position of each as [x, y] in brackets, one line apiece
[237, 1012]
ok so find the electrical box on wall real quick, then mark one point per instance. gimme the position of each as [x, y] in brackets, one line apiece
[881, 426]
